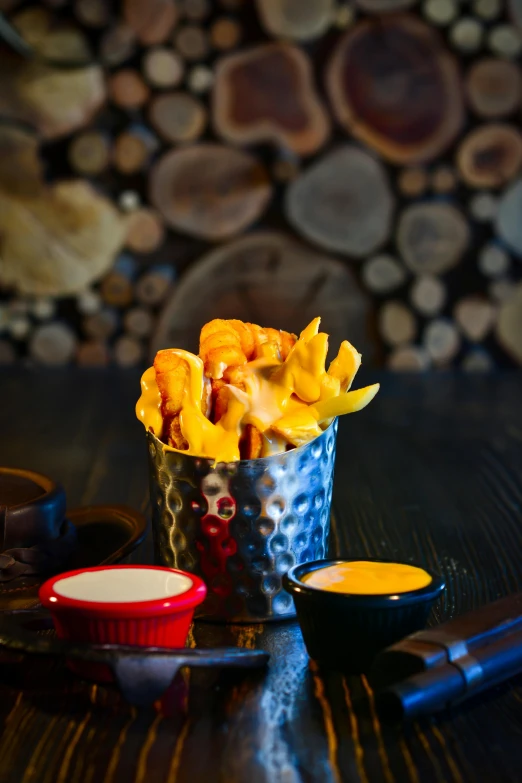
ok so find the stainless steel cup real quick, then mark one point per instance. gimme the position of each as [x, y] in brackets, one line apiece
[241, 525]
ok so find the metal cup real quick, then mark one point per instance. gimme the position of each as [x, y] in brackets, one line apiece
[241, 525]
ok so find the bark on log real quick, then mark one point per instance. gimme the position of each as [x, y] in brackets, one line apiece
[152, 21]
[343, 202]
[377, 81]
[432, 237]
[178, 117]
[59, 242]
[295, 19]
[490, 156]
[266, 278]
[494, 88]
[266, 94]
[209, 191]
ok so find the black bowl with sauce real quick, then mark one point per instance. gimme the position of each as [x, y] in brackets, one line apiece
[344, 631]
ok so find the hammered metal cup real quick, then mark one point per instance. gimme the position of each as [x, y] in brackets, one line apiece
[241, 525]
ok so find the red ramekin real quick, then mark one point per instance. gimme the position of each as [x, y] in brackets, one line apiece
[162, 622]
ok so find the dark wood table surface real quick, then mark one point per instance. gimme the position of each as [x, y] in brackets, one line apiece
[432, 470]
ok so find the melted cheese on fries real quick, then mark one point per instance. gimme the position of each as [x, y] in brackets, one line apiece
[289, 402]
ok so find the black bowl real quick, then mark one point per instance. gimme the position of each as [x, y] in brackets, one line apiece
[345, 631]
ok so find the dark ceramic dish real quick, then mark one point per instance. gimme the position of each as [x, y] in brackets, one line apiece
[345, 631]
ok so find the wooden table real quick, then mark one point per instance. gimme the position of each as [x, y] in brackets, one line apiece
[432, 470]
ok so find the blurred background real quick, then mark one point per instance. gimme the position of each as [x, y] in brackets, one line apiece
[166, 162]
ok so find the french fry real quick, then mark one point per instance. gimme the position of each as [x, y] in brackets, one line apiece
[297, 428]
[251, 443]
[351, 402]
[174, 434]
[345, 365]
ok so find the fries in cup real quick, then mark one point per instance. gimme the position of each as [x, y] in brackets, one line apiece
[251, 392]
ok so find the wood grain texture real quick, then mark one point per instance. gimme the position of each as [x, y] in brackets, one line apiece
[435, 477]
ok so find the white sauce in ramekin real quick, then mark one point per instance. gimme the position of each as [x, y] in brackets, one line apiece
[126, 585]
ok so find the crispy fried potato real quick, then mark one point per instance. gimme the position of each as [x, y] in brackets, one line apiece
[351, 402]
[174, 434]
[251, 443]
[171, 376]
[345, 365]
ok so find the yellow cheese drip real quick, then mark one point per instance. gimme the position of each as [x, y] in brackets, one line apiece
[278, 399]
[362, 577]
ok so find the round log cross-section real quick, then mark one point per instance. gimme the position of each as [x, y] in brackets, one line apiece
[209, 191]
[490, 156]
[343, 202]
[269, 279]
[393, 85]
[266, 94]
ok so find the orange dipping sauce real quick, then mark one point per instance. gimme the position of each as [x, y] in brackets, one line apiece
[363, 577]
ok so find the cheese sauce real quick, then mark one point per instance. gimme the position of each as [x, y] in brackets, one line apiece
[273, 389]
[362, 577]
[297, 395]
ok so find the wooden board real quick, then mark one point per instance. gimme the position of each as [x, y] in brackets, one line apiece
[269, 279]
[267, 94]
[343, 202]
[376, 81]
[429, 473]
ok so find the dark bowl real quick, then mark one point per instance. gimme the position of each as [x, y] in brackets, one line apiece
[345, 631]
